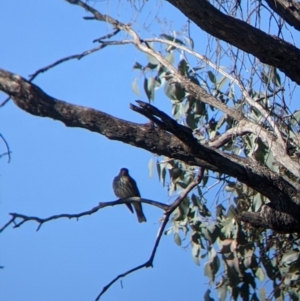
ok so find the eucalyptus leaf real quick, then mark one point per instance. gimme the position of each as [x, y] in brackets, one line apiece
[177, 239]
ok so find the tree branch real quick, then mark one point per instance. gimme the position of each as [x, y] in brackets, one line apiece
[270, 218]
[4, 102]
[193, 89]
[268, 49]
[168, 212]
[278, 147]
[278, 150]
[65, 59]
[32, 99]
[233, 79]
[287, 10]
[25, 218]
[8, 152]
[76, 56]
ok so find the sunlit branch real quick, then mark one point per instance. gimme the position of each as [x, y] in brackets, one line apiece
[245, 93]
[242, 128]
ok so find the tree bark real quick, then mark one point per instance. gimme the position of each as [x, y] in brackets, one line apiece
[167, 138]
[287, 10]
[268, 49]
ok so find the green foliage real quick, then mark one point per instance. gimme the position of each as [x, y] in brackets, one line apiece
[237, 259]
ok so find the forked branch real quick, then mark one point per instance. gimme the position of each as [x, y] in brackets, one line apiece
[168, 212]
[18, 219]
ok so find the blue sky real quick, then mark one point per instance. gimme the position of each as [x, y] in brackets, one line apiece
[55, 169]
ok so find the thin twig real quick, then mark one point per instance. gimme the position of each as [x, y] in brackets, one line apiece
[75, 56]
[107, 36]
[7, 148]
[5, 101]
[270, 95]
[5, 154]
[62, 60]
[25, 218]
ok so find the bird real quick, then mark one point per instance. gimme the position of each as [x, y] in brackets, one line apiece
[124, 186]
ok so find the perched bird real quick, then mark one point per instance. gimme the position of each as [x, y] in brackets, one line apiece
[124, 186]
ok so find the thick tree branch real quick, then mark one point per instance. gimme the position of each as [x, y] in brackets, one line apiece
[270, 218]
[268, 49]
[199, 93]
[283, 195]
[288, 10]
[33, 100]
[210, 154]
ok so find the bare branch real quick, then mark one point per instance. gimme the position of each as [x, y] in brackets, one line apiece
[167, 208]
[65, 59]
[138, 199]
[75, 56]
[168, 212]
[41, 221]
[11, 221]
[106, 287]
[25, 218]
[107, 36]
[62, 60]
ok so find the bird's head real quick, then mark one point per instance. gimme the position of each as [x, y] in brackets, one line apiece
[124, 172]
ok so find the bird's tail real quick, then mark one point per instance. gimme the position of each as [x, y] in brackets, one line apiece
[139, 212]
